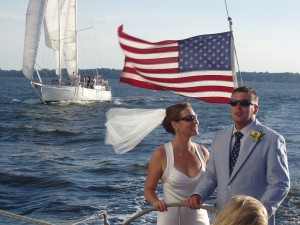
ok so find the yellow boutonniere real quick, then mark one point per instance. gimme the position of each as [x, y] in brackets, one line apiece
[256, 134]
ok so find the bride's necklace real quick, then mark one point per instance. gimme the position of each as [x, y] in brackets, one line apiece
[181, 153]
[183, 150]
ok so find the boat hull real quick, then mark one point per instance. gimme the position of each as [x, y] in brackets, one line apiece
[53, 93]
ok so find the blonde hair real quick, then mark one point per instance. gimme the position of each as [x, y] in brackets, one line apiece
[242, 210]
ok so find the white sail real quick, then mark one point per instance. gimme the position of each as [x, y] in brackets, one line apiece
[54, 26]
[70, 40]
[51, 25]
[34, 19]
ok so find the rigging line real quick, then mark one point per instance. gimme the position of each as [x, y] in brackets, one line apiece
[235, 52]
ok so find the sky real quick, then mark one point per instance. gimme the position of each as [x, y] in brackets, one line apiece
[266, 32]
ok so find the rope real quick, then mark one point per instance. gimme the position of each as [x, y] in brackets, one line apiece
[235, 52]
[34, 221]
[86, 221]
[207, 207]
[23, 218]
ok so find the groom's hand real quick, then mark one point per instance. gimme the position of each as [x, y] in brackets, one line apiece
[194, 202]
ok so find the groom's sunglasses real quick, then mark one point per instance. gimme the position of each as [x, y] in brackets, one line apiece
[189, 118]
[243, 102]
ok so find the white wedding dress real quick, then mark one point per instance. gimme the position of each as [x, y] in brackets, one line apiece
[178, 187]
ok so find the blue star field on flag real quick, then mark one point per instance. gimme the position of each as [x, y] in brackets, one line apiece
[205, 52]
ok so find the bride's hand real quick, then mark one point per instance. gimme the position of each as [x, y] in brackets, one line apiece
[160, 205]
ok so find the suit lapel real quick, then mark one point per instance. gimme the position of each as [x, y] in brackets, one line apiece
[226, 152]
[248, 147]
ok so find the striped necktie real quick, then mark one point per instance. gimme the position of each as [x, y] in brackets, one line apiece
[235, 151]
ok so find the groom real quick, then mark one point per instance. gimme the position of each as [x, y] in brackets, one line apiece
[253, 162]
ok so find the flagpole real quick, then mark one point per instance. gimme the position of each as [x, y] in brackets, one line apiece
[235, 53]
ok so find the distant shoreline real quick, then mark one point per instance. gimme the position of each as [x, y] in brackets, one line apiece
[286, 77]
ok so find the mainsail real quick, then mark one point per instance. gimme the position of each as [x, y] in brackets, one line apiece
[59, 19]
[70, 40]
[34, 18]
[55, 22]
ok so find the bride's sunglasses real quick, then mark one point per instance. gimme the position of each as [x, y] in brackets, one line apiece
[189, 118]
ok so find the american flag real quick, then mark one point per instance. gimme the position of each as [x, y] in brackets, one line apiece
[201, 67]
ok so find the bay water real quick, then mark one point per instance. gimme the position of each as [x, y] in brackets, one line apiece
[55, 166]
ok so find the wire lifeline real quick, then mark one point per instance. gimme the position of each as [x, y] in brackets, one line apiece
[235, 52]
[174, 204]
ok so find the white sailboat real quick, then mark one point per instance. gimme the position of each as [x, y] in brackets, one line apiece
[59, 19]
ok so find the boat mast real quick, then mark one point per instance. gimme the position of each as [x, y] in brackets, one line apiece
[76, 41]
[60, 39]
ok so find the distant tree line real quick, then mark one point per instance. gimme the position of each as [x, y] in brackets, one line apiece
[115, 74]
[46, 73]
[270, 77]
